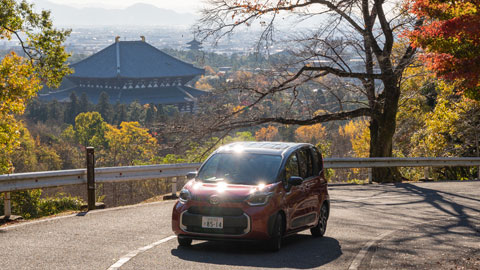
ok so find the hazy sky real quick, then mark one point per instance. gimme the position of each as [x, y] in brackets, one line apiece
[177, 5]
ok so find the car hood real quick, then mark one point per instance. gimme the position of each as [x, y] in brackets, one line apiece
[226, 192]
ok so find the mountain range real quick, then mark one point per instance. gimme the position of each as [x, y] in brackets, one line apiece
[136, 15]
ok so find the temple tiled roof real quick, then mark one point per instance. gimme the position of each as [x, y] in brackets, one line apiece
[133, 59]
[157, 95]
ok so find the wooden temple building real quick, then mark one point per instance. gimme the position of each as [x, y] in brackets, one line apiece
[194, 45]
[131, 71]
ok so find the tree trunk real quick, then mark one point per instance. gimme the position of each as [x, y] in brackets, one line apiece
[382, 129]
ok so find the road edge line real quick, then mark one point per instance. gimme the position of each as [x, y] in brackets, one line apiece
[48, 219]
[363, 252]
[124, 259]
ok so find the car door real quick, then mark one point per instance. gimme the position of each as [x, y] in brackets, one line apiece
[318, 170]
[293, 194]
[309, 201]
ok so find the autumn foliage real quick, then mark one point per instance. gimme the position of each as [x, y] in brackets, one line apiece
[311, 134]
[450, 38]
[269, 133]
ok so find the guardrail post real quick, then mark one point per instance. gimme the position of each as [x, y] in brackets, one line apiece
[91, 177]
[370, 176]
[174, 186]
[426, 173]
[7, 205]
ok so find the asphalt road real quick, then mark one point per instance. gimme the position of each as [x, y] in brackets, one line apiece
[404, 226]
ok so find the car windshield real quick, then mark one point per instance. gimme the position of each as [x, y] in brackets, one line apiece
[241, 168]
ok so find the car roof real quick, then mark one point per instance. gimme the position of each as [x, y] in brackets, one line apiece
[272, 148]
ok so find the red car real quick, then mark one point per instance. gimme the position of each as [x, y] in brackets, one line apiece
[254, 191]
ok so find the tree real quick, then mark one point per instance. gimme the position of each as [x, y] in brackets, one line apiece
[55, 112]
[450, 39]
[269, 133]
[129, 145]
[120, 113]
[104, 107]
[84, 104]
[135, 112]
[73, 108]
[358, 134]
[90, 129]
[150, 111]
[451, 129]
[21, 77]
[311, 134]
[351, 42]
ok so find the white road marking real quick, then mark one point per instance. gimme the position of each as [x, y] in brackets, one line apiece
[123, 260]
[363, 252]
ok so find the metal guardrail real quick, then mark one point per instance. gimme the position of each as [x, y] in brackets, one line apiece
[337, 163]
[25, 181]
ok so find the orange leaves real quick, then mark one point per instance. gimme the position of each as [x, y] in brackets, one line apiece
[311, 134]
[451, 40]
[238, 108]
[269, 133]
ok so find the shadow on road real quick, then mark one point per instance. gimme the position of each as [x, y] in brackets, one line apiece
[299, 252]
[447, 230]
[448, 206]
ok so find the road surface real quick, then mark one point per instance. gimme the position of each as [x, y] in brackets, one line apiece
[402, 226]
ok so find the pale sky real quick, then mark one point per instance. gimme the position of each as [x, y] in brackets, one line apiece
[178, 5]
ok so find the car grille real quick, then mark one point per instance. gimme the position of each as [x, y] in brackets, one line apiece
[235, 222]
[230, 231]
[232, 199]
[215, 211]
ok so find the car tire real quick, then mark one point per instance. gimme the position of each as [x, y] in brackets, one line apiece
[184, 242]
[275, 242]
[319, 230]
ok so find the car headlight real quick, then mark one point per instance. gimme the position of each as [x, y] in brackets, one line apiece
[185, 196]
[259, 198]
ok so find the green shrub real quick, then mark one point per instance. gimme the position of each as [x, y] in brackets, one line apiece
[29, 205]
[54, 205]
[25, 203]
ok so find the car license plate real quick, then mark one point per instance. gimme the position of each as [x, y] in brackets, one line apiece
[212, 222]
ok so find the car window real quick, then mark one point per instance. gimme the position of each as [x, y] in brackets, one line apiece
[241, 168]
[304, 160]
[317, 161]
[309, 162]
[291, 168]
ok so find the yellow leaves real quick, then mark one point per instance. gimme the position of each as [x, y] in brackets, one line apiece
[446, 126]
[359, 134]
[269, 133]
[238, 108]
[18, 83]
[9, 134]
[203, 84]
[311, 134]
[129, 144]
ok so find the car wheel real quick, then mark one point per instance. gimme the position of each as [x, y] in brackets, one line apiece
[184, 242]
[319, 230]
[275, 242]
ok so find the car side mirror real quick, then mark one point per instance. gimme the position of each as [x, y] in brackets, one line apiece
[295, 181]
[191, 175]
